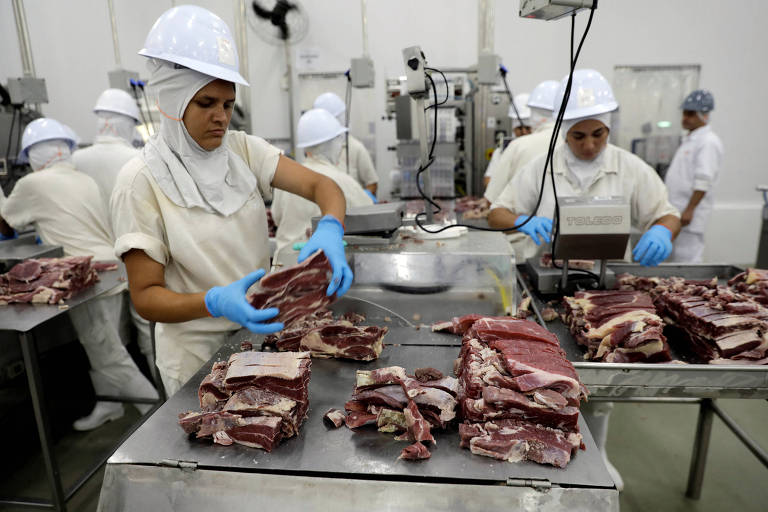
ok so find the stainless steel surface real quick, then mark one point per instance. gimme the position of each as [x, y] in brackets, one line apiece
[25, 317]
[592, 228]
[700, 449]
[425, 164]
[320, 451]
[115, 40]
[22, 248]
[376, 218]
[25, 46]
[548, 280]
[662, 380]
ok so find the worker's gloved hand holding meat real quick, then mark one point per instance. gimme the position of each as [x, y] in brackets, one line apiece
[654, 247]
[229, 301]
[370, 194]
[538, 228]
[328, 237]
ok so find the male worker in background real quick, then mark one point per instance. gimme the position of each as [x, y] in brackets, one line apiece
[693, 173]
[520, 116]
[524, 149]
[360, 163]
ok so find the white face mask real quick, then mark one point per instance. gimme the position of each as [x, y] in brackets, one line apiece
[330, 149]
[112, 124]
[46, 153]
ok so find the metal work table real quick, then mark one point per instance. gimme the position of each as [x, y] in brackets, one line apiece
[160, 464]
[668, 382]
[24, 320]
[22, 248]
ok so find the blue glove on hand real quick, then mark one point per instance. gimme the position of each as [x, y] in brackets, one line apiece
[535, 228]
[12, 237]
[370, 194]
[230, 302]
[328, 237]
[654, 246]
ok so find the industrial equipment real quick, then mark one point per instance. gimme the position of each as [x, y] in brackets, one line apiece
[552, 9]
[762, 247]
[376, 224]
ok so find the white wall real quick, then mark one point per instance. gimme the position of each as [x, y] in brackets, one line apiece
[73, 50]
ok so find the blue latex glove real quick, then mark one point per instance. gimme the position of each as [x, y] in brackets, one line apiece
[538, 227]
[328, 237]
[370, 194]
[13, 236]
[654, 246]
[229, 301]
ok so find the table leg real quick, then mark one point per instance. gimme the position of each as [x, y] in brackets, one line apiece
[32, 365]
[700, 449]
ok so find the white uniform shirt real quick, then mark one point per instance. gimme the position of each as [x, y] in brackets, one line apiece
[620, 174]
[66, 208]
[360, 163]
[695, 166]
[293, 214]
[516, 155]
[198, 249]
[103, 161]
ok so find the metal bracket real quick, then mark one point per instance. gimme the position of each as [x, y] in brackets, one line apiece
[181, 464]
[536, 483]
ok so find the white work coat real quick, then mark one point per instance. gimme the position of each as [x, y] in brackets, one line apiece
[620, 174]
[293, 214]
[360, 163]
[103, 161]
[695, 166]
[198, 249]
[66, 208]
[516, 155]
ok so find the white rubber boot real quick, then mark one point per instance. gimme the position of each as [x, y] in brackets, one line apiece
[101, 413]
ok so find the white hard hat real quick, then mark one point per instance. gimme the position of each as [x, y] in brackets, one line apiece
[521, 101]
[119, 102]
[44, 129]
[316, 126]
[591, 94]
[197, 39]
[543, 96]
[330, 102]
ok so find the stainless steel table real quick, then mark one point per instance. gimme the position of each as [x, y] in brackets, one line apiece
[337, 468]
[24, 320]
[25, 247]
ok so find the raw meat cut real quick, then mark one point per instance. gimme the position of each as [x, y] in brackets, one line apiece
[546, 262]
[753, 282]
[334, 417]
[416, 451]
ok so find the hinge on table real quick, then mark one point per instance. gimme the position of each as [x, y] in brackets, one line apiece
[536, 483]
[181, 464]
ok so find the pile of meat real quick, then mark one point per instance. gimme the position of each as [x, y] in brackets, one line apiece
[407, 405]
[300, 294]
[616, 326]
[472, 207]
[254, 399]
[50, 280]
[546, 261]
[711, 323]
[753, 282]
[518, 394]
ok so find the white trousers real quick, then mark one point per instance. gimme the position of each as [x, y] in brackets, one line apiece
[688, 248]
[113, 372]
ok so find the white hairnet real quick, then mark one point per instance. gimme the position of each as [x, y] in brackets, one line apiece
[48, 152]
[116, 125]
[539, 116]
[330, 149]
[217, 180]
[566, 126]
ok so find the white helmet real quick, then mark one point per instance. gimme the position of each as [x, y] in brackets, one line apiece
[195, 38]
[119, 102]
[330, 102]
[543, 96]
[44, 129]
[521, 101]
[317, 126]
[591, 95]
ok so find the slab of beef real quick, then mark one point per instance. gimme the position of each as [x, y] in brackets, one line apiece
[514, 441]
[297, 291]
[50, 280]
[752, 282]
[460, 325]
[254, 399]
[416, 451]
[617, 326]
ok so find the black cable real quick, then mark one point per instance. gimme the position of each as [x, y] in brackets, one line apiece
[10, 132]
[445, 80]
[503, 72]
[347, 107]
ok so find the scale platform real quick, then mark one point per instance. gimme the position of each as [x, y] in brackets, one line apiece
[546, 280]
[377, 219]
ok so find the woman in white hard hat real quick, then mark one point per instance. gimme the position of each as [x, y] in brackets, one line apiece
[189, 213]
[322, 137]
[67, 209]
[587, 165]
[117, 116]
[361, 166]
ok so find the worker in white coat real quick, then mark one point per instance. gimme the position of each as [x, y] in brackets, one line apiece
[322, 137]
[189, 211]
[519, 115]
[361, 166]
[692, 175]
[587, 165]
[117, 116]
[522, 150]
[67, 209]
